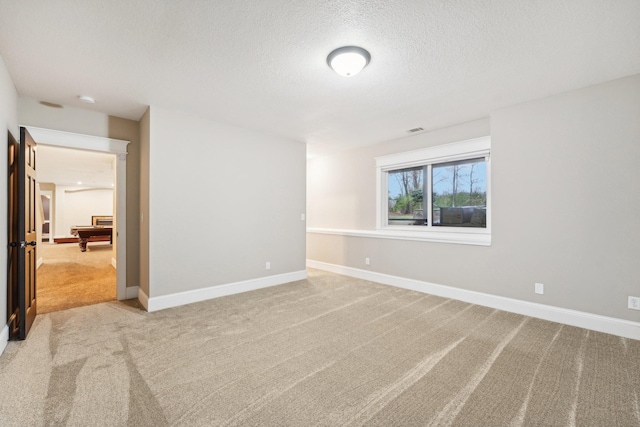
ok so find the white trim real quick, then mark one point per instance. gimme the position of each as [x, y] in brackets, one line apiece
[459, 236]
[462, 150]
[4, 338]
[51, 222]
[114, 263]
[132, 292]
[468, 149]
[81, 190]
[106, 145]
[196, 295]
[39, 262]
[77, 141]
[595, 322]
[143, 298]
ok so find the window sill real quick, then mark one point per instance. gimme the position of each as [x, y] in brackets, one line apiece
[455, 236]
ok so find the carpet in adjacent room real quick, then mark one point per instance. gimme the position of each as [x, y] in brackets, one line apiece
[70, 278]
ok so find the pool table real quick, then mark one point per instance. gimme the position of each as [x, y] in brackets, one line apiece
[85, 231]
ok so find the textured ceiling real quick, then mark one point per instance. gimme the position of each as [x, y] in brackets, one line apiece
[64, 166]
[261, 64]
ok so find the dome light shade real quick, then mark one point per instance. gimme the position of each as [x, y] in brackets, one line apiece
[87, 99]
[348, 60]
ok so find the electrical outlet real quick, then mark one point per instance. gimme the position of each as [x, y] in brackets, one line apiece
[539, 288]
[634, 303]
[367, 261]
[268, 265]
[302, 217]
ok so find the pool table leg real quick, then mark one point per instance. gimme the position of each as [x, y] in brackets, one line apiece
[83, 244]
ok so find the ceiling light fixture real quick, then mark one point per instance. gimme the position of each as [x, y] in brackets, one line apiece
[87, 99]
[348, 60]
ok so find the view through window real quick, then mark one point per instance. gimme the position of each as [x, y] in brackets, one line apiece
[456, 193]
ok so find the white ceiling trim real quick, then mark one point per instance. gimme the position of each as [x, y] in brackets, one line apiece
[78, 141]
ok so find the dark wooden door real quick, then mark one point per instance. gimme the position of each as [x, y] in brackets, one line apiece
[26, 233]
[13, 312]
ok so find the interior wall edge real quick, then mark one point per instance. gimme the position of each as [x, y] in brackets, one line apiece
[143, 298]
[132, 292]
[4, 338]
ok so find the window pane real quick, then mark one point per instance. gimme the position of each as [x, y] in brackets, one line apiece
[460, 194]
[406, 197]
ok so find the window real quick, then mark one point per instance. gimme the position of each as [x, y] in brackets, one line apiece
[440, 191]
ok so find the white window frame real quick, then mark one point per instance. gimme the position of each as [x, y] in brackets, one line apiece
[462, 150]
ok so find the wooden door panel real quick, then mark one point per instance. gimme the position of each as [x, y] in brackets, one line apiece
[27, 253]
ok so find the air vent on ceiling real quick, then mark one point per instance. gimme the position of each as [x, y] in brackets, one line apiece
[50, 104]
[415, 130]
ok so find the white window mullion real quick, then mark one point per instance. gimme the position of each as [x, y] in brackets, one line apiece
[429, 193]
[381, 192]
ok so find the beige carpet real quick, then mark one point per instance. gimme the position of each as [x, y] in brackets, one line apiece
[329, 351]
[70, 278]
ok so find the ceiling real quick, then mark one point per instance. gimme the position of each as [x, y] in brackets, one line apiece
[261, 64]
[76, 168]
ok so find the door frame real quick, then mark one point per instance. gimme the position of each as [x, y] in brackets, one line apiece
[50, 194]
[118, 147]
[13, 302]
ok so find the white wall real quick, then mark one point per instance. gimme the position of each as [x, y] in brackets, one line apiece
[8, 123]
[67, 119]
[565, 211]
[222, 202]
[76, 205]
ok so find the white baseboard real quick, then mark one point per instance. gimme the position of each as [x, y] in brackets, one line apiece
[143, 298]
[39, 262]
[114, 263]
[595, 322]
[188, 297]
[131, 292]
[4, 338]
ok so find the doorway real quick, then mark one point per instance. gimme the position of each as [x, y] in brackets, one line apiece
[76, 192]
[46, 199]
[117, 149]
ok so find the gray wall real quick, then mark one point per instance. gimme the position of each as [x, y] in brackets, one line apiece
[222, 202]
[144, 202]
[87, 122]
[566, 211]
[8, 122]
